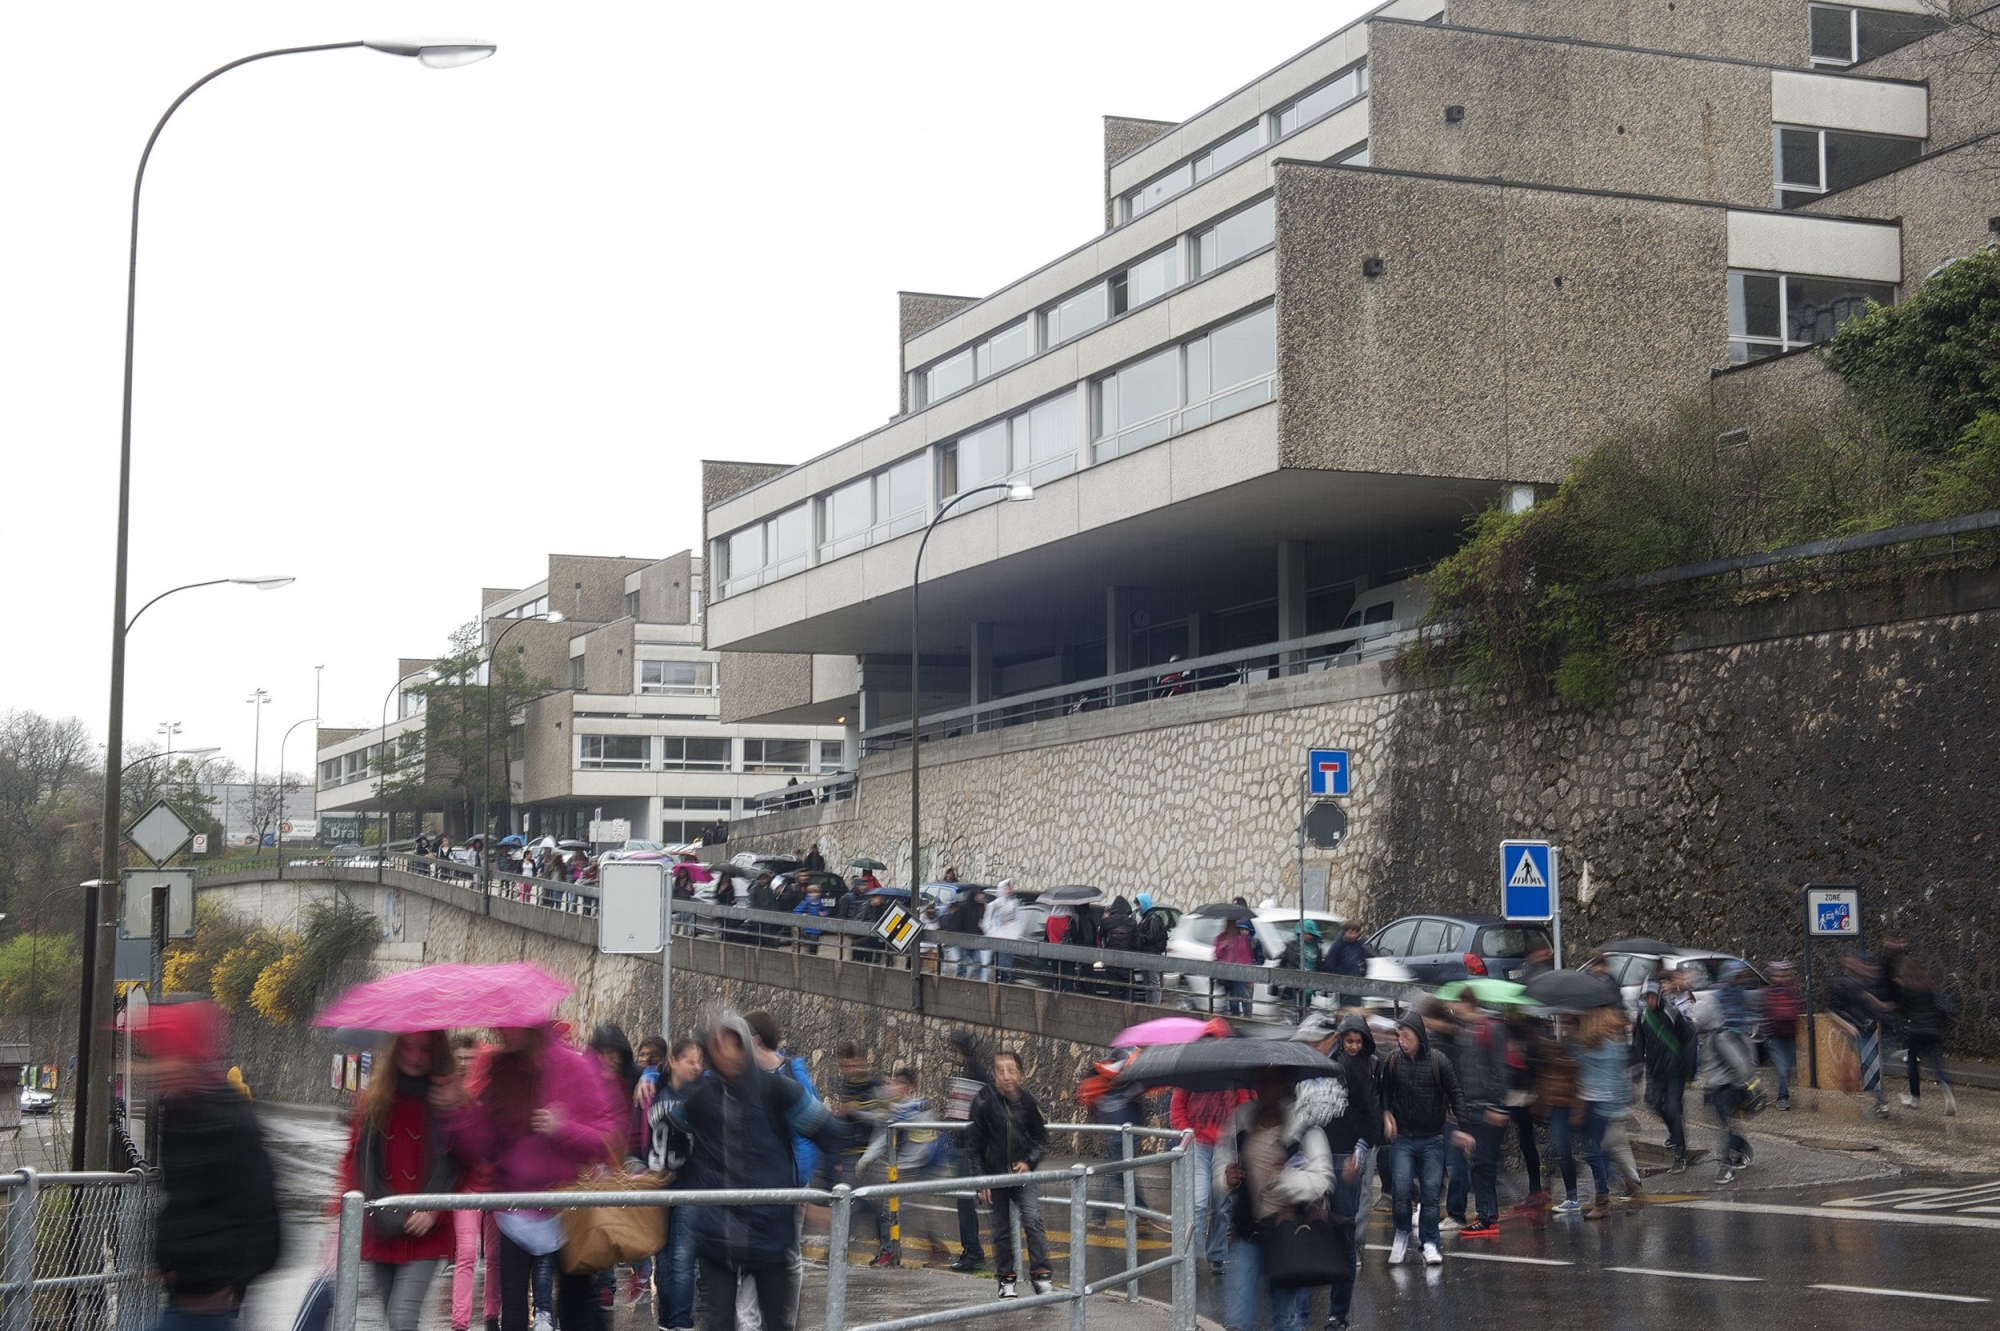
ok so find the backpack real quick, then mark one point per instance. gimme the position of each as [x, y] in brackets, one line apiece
[1153, 934]
[1121, 936]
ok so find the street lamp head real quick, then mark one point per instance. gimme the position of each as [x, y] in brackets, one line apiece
[1017, 493]
[197, 753]
[270, 584]
[436, 54]
[555, 616]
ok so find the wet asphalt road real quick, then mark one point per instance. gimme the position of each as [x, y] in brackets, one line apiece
[1918, 1249]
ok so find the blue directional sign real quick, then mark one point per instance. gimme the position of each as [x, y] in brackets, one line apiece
[1329, 771]
[1527, 880]
[1833, 912]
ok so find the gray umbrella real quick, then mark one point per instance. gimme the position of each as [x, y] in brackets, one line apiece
[1573, 990]
[1221, 1065]
[1071, 896]
[1224, 910]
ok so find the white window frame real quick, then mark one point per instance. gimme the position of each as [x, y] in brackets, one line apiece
[731, 582]
[1853, 39]
[1193, 164]
[585, 763]
[1780, 187]
[1358, 68]
[1784, 342]
[676, 690]
[760, 765]
[1185, 415]
[879, 528]
[669, 763]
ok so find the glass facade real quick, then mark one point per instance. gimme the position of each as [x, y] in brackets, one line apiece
[614, 752]
[984, 359]
[677, 678]
[777, 755]
[874, 508]
[1330, 96]
[1227, 370]
[1235, 236]
[773, 548]
[1772, 313]
[689, 753]
[1842, 35]
[1811, 162]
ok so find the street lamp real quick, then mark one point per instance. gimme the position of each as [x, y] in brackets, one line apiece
[1015, 494]
[261, 584]
[170, 753]
[382, 854]
[91, 1147]
[486, 764]
[278, 843]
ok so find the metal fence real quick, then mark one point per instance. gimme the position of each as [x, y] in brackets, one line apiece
[75, 1252]
[841, 1201]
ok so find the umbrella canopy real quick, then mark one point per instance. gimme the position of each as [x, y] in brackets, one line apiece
[1162, 1030]
[511, 841]
[439, 998]
[899, 892]
[777, 864]
[1220, 1065]
[1573, 990]
[543, 843]
[863, 862]
[1493, 993]
[572, 845]
[1650, 947]
[1224, 910]
[1074, 895]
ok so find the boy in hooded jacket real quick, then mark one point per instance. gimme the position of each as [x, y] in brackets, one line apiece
[1420, 1096]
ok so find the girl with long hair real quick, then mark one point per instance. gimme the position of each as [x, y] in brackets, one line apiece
[397, 1146]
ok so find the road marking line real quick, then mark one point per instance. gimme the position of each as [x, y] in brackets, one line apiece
[1684, 1275]
[1376, 1247]
[1824, 1213]
[1900, 1293]
[1503, 1257]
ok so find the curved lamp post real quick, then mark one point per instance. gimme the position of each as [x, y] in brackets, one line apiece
[270, 584]
[90, 1148]
[278, 841]
[486, 767]
[1015, 494]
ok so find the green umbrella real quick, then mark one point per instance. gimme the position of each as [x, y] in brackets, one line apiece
[1493, 993]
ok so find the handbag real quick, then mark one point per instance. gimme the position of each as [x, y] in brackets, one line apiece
[1304, 1250]
[598, 1238]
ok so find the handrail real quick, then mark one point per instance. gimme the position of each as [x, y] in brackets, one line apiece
[1832, 545]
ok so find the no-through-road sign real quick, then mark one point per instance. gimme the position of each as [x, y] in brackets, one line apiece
[1328, 772]
[1527, 880]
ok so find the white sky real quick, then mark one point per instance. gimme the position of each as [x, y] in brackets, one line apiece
[404, 332]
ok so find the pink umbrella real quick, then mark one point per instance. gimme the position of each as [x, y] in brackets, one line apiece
[438, 998]
[1162, 1030]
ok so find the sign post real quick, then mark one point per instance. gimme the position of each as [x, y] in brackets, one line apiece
[634, 916]
[1833, 910]
[1530, 888]
[1329, 775]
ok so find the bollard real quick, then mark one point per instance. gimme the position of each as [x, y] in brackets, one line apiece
[1079, 1241]
[895, 1202]
[18, 1309]
[1185, 1245]
[836, 1257]
[347, 1262]
[1131, 1181]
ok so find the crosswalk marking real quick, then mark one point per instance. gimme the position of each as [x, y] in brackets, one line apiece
[1505, 1257]
[1900, 1293]
[1960, 1219]
[1683, 1275]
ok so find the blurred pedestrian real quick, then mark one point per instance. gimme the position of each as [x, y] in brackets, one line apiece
[1115, 1106]
[1858, 1009]
[1274, 1167]
[217, 1228]
[1347, 955]
[1663, 1043]
[1925, 1012]
[396, 1144]
[1007, 1135]
[1727, 1069]
[969, 1076]
[1232, 947]
[473, 1233]
[667, 1155]
[1419, 1094]
[1346, 1110]
[814, 906]
[1555, 1096]
[1782, 1005]
[1521, 1102]
[1603, 1064]
[1003, 924]
[1153, 934]
[913, 1152]
[544, 1112]
[1479, 1057]
[1206, 1114]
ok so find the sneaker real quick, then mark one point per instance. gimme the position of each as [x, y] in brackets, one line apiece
[1950, 1103]
[1336, 1324]
[884, 1258]
[1432, 1257]
[967, 1264]
[1785, 1103]
[1881, 1111]
[1728, 1175]
[1007, 1290]
[1679, 1166]
[543, 1322]
[1042, 1283]
[1909, 1101]
[1399, 1249]
[1450, 1226]
[1482, 1229]
[1568, 1206]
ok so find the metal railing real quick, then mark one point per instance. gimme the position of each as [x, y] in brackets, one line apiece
[76, 1251]
[824, 790]
[841, 1200]
[1249, 665]
[1949, 538]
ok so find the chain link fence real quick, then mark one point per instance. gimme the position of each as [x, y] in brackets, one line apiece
[73, 1252]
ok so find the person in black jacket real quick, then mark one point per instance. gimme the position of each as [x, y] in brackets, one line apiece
[1419, 1094]
[1663, 1043]
[217, 1228]
[1008, 1136]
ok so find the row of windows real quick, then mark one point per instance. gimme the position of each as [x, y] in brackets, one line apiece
[697, 753]
[1224, 371]
[538, 606]
[1772, 313]
[1845, 35]
[1811, 162]
[1293, 116]
[687, 679]
[359, 765]
[1188, 258]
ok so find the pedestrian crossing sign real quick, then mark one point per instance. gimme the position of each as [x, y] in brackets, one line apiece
[1527, 880]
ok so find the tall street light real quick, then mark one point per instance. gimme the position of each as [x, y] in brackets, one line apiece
[382, 853]
[278, 842]
[486, 765]
[1015, 494]
[257, 699]
[91, 1147]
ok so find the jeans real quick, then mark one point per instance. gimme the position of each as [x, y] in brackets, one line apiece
[1531, 1156]
[1238, 995]
[1562, 1135]
[955, 957]
[1024, 1203]
[777, 1303]
[1922, 1046]
[1215, 1246]
[1664, 1098]
[1726, 1100]
[1486, 1139]
[1457, 1180]
[1113, 1188]
[1784, 1051]
[673, 1273]
[402, 1286]
[1350, 1196]
[1004, 965]
[1594, 1124]
[575, 1298]
[1419, 1164]
[474, 1229]
[1244, 1288]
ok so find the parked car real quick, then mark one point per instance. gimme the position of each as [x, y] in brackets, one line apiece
[37, 1101]
[1439, 948]
[1632, 969]
[1193, 938]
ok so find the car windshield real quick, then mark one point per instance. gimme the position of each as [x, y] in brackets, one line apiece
[1511, 942]
[1702, 972]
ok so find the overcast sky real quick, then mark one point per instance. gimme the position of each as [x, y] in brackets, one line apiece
[404, 332]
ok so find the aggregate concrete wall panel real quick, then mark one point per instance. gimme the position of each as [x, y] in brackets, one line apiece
[758, 683]
[1556, 113]
[1769, 31]
[1961, 72]
[1799, 243]
[1943, 202]
[1832, 101]
[1485, 347]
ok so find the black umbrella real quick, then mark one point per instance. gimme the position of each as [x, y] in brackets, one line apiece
[1224, 910]
[1574, 990]
[1647, 947]
[1222, 1065]
[1071, 896]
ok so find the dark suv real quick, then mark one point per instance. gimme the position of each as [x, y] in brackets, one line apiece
[1438, 948]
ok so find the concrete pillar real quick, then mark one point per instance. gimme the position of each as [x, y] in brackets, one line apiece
[1117, 629]
[850, 739]
[1291, 597]
[979, 667]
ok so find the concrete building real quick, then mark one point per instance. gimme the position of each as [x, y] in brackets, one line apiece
[631, 728]
[1408, 273]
